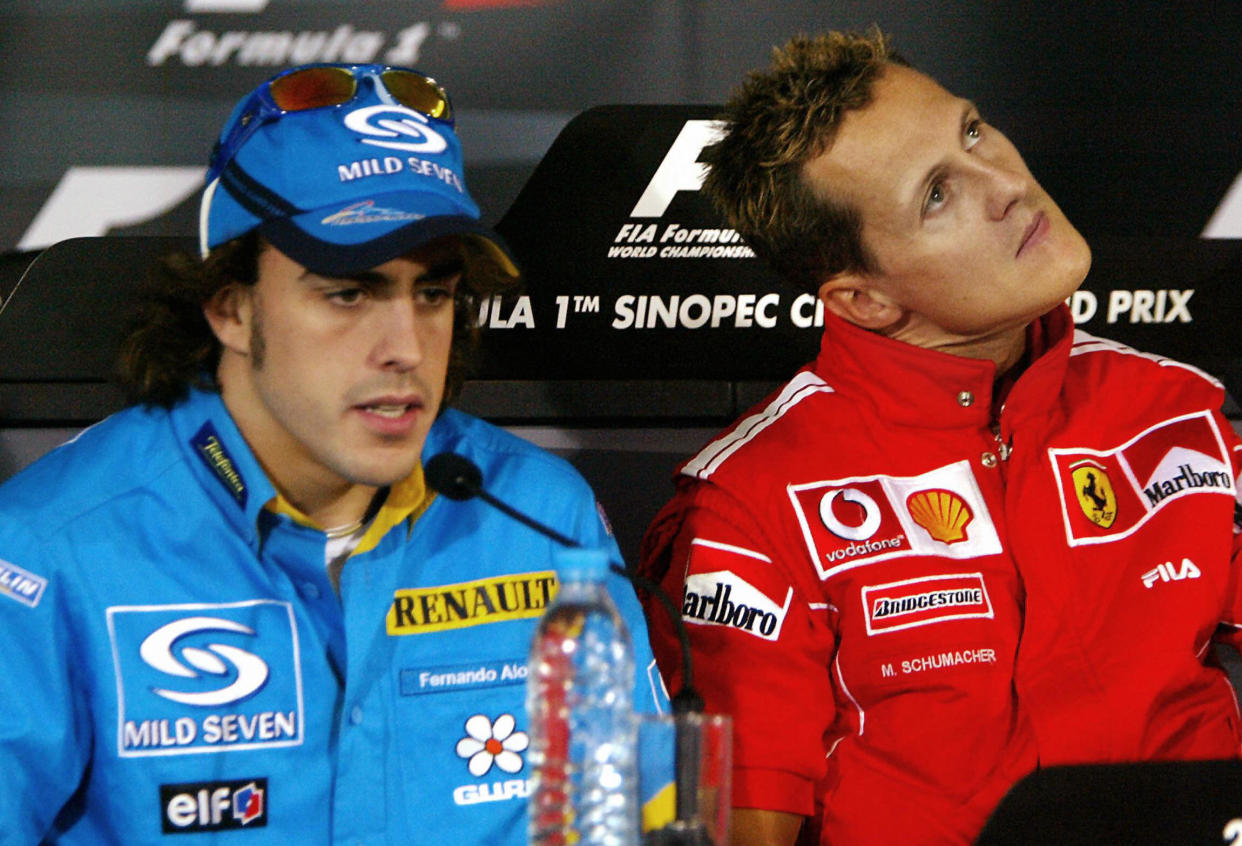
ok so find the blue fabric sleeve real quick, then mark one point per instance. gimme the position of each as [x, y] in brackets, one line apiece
[44, 734]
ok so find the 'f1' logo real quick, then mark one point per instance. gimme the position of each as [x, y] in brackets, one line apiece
[680, 170]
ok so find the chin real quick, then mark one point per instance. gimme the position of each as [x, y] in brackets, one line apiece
[1078, 260]
[1071, 273]
[384, 474]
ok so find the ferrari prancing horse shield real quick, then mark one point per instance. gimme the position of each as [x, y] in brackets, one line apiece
[1095, 493]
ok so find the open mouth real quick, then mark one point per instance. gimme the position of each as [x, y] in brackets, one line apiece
[392, 412]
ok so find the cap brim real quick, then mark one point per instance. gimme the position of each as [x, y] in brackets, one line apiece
[328, 241]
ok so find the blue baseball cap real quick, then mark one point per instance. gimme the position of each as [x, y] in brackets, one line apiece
[341, 188]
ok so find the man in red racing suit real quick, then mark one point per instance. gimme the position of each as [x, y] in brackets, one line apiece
[859, 609]
[931, 563]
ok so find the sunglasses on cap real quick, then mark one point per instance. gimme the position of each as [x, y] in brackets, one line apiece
[325, 86]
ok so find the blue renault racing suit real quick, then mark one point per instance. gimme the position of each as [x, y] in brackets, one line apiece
[176, 659]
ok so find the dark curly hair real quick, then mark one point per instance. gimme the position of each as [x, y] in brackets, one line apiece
[169, 347]
[777, 121]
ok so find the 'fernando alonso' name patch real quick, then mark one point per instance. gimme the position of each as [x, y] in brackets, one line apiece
[447, 678]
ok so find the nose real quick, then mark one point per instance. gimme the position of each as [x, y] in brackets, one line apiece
[396, 343]
[1004, 187]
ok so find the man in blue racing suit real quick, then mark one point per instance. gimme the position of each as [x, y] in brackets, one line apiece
[236, 607]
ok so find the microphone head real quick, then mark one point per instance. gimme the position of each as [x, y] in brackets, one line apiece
[453, 475]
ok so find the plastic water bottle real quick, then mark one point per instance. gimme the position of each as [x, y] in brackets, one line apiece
[583, 729]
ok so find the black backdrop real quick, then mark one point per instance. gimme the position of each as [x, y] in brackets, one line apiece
[1127, 110]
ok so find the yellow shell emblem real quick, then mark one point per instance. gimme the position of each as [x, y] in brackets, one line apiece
[1095, 493]
[942, 513]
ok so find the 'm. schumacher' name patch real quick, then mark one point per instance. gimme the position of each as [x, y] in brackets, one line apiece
[921, 602]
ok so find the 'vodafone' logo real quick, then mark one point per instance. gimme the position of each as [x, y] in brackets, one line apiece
[871, 514]
[395, 122]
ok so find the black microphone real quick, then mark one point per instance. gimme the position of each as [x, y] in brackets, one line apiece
[460, 479]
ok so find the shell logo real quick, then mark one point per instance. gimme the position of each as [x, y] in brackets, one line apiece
[944, 514]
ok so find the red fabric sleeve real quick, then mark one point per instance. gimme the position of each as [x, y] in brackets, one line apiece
[761, 649]
[1231, 630]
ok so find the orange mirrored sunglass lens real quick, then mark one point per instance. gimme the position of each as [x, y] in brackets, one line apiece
[417, 92]
[313, 88]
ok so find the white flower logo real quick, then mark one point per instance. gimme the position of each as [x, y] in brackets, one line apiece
[486, 743]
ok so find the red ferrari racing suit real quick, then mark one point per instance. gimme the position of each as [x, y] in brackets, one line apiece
[909, 592]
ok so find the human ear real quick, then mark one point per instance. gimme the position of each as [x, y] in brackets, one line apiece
[229, 312]
[852, 297]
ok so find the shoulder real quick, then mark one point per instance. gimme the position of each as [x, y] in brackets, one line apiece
[777, 425]
[505, 459]
[104, 463]
[1094, 358]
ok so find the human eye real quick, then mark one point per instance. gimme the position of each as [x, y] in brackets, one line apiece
[937, 196]
[437, 292]
[972, 132]
[350, 296]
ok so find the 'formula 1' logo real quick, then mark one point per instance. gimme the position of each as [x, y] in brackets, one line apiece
[862, 520]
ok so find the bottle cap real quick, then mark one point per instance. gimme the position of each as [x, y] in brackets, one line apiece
[582, 564]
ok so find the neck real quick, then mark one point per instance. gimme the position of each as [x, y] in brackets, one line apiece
[334, 512]
[326, 497]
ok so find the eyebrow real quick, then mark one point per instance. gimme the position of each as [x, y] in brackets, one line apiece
[372, 279]
[443, 268]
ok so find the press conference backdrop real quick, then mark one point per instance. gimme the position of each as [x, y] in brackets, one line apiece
[645, 324]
